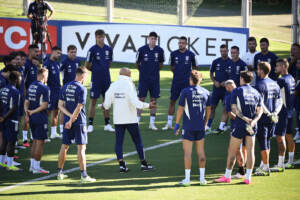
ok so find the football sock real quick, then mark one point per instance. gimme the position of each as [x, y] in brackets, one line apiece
[202, 173]
[187, 174]
[228, 173]
[291, 157]
[170, 120]
[25, 136]
[91, 120]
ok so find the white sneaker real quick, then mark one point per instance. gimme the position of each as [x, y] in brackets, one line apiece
[153, 127]
[184, 183]
[16, 163]
[90, 128]
[47, 140]
[55, 136]
[297, 162]
[297, 136]
[167, 127]
[237, 176]
[203, 182]
[40, 171]
[109, 128]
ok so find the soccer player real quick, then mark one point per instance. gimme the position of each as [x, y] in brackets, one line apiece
[72, 103]
[182, 62]
[248, 57]
[123, 96]
[30, 74]
[294, 55]
[9, 109]
[267, 56]
[98, 61]
[241, 151]
[271, 105]
[284, 126]
[236, 65]
[36, 103]
[194, 105]
[68, 68]
[218, 74]
[246, 105]
[53, 83]
[149, 61]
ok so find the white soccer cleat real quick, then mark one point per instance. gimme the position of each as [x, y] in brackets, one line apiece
[87, 179]
[16, 163]
[109, 128]
[153, 127]
[297, 136]
[90, 128]
[203, 182]
[167, 127]
[56, 136]
[184, 183]
[40, 171]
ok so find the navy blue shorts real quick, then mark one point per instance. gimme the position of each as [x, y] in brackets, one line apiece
[281, 126]
[176, 90]
[290, 126]
[39, 131]
[11, 130]
[240, 131]
[217, 95]
[193, 135]
[54, 98]
[151, 86]
[77, 132]
[98, 89]
[264, 133]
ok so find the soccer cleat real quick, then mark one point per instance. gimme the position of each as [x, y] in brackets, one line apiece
[90, 128]
[109, 128]
[184, 183]
[223, 179]
[237, 176]
[47, 140]
[61, 176]
[123, 169]
[167, 127]
[56, 136]
[297, 136]
[288, 165]
[277, 168]
[297, 162]
[203, 182]
[261, 172]
[16, 163]
[40, 171]
[3, 165]
[153, 127]
[13, 169]
[26, 144]
[247, 181]
[147, 167]
[87, 179]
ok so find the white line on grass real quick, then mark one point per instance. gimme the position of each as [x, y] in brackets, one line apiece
[88, 165]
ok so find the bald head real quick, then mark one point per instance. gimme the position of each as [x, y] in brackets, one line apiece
[125, 71]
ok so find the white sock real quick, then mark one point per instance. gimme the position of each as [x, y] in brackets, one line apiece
[248, 174]
[35, 164]
[38, 164]
[291, 157]
[202, 174]
[31, 135]
[280, 161]
[53, 130]
[222, 124]
[228, 173]
[31, 162]
[10, 161]
[5, 158]
[61, 128]
[152, 119]
[187, 174]
[266, 167]
[139, 118]
[25, 135]
[2, 157]
[261, 164]
[170, 120]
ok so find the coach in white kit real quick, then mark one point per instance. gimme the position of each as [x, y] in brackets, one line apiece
[122, 94]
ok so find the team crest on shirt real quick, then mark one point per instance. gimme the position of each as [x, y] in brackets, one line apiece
[187, 58]
[237, 70]
[176, 60]
[229, 69]
[106, 54]
[156, 57]
[146, 57]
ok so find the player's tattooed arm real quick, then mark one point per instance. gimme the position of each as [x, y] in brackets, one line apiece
[258, 114]
[239, 113]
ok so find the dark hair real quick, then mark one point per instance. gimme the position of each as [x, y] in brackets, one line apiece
[22, 53]
[265, 67]
[14, 76]
[296, 45]
[223, 46]
[71, 47]
[247, 76]
[236, 48]
[183, 38]
[41, 71]
[99, 32]
[13, 55]
[251, 39]
[264, 40]
[10, 68]
[81, 70]
[33, 46]
[284, 62]
[153, 34]
[56, 48]
[195, 76]
[7, 59]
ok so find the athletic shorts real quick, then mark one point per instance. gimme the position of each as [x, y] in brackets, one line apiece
[281, 126]
[193, 135]
[11, 130]
[54, 98]
[176, 90]
[39, 131]
[217, 95]
[240, 131]
[264, 133]
[152, 86]
[98, 89]
[77, 132]
[290, 126]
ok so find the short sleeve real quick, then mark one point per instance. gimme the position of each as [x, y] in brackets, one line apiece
[89, 56]
[48, 6]
[62, 65]
[15, 98]
[82, 96]
[111, 55]
[193, 59]
[255, 61]
[213, 67]
[139, 56]
[46, 95]
[30, 10]
[259, 103]
[162, 56]
[182, 99]
[171, 59]
[233, 98]
[62, 94]
[227, 103]
[208, 103]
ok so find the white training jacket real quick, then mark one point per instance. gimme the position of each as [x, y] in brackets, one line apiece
[122, 94]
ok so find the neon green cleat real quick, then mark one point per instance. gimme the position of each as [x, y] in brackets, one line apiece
[277, 168]
[288, 166]
[13, 169]
[261, 172]
[3, 165]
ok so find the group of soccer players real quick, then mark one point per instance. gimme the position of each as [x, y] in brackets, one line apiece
[258, 92]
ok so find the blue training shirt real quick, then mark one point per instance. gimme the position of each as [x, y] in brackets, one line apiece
[9, 98]
[194, 99]
[68, 67]
[287, 86]
[149, 60]
[220, 67]
[182, 63]
[3, 81]
[271, 58]
[22, 86]
[234, 70]
[30, 73]
[73, 94]
[270, 93]
[100, 58]
[54, 76]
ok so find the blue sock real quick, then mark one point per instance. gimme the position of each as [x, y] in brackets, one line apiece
[210, 121]
[83, 173]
